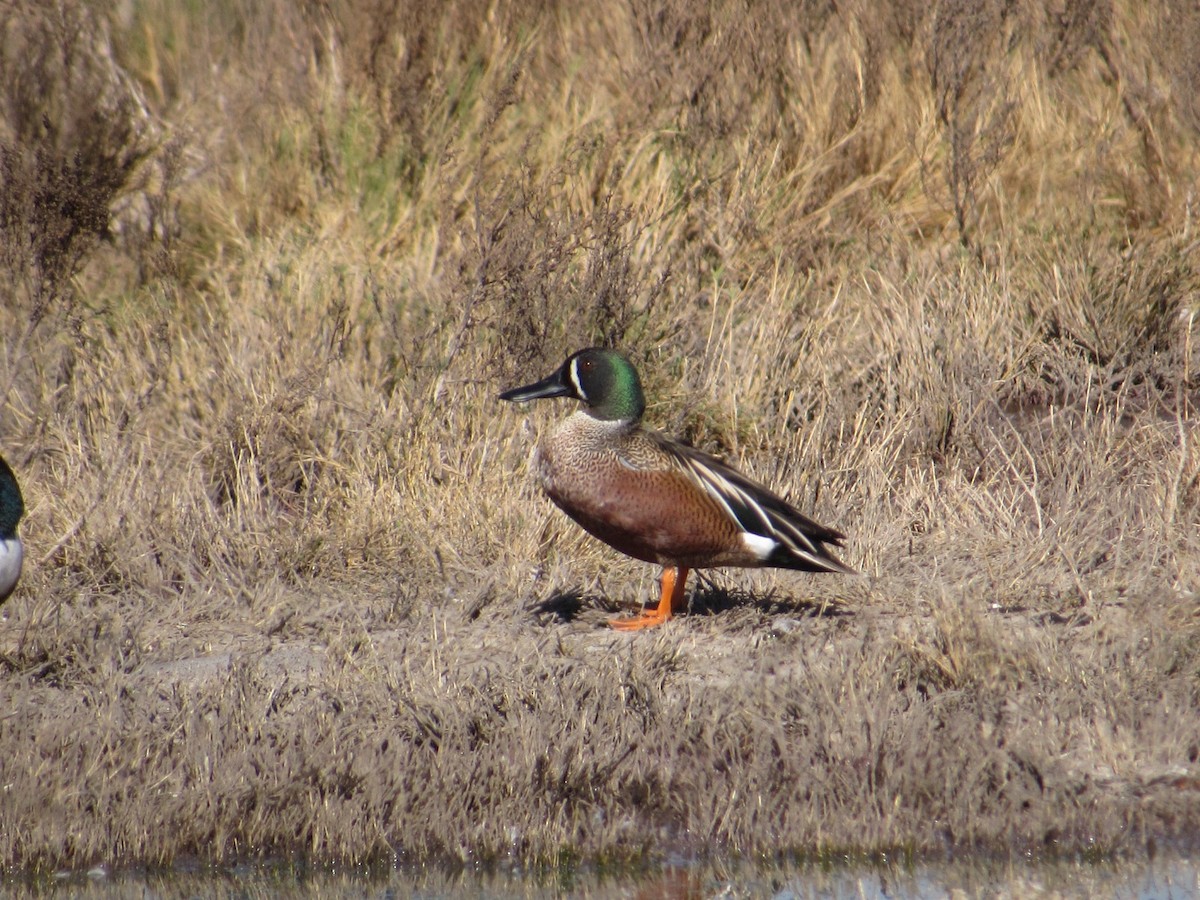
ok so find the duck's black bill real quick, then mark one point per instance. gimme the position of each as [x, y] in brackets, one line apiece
[550, 386]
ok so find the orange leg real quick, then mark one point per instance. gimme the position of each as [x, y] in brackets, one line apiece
[671, 602]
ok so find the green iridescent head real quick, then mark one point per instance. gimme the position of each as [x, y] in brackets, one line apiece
[604, 381]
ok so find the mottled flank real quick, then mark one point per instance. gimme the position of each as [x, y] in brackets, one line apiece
[631, 497]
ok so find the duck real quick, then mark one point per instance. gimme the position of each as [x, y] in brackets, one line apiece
[12, 553]
[656, 499]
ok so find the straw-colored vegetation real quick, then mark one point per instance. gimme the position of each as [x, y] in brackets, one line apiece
[931, 269]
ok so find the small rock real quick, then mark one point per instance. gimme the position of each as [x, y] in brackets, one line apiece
[784, 625]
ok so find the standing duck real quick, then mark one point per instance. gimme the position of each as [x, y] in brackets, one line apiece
[658, 500]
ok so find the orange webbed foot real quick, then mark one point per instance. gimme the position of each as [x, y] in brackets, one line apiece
[671, 601]
[634, 623]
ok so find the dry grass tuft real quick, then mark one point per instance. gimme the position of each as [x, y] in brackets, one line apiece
[288, 591]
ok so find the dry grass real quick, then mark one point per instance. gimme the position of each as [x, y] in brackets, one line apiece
[288, 589]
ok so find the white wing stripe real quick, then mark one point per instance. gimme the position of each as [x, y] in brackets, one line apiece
[773, 527]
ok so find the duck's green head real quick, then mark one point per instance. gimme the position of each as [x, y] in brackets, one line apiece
[12, 506]
[603, 380]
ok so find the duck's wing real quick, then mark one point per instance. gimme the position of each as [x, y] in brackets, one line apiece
[796, 541]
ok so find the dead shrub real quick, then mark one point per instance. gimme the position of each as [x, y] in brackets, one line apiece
[74, 132]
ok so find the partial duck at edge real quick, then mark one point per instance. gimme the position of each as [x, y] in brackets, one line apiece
[12, 553]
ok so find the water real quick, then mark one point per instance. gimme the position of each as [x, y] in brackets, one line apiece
[1164, 877]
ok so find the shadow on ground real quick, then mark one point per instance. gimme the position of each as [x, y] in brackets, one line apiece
[706, 599]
